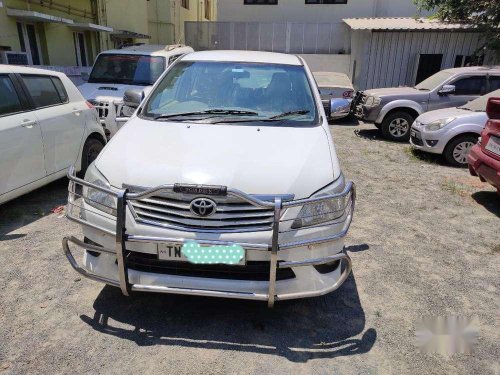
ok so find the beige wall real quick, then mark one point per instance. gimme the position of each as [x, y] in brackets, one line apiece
[56, 39]
[298, 11]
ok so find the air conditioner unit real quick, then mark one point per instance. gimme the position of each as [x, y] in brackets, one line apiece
[13, 58]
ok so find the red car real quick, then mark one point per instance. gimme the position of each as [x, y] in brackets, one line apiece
[484, 157]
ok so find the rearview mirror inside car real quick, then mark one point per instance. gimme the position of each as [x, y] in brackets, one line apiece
[447, 89]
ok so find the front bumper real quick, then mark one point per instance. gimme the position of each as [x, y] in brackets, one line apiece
[302, 251]
[484, 166]
[363, 112]
[432, 142]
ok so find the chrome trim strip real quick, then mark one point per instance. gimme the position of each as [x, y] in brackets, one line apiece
[273, 264]
[253, 246]
[121, 205]
[198, 292]
[313, 262]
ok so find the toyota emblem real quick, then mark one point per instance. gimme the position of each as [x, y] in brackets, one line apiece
[203, 207]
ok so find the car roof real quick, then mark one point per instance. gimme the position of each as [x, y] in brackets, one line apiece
[474, 69]
[244, 56]
[28, 70]
[151, 49]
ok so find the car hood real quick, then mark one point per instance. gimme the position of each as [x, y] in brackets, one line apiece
[395, 92]
[107, 91]
[255, 160]
[463, 114]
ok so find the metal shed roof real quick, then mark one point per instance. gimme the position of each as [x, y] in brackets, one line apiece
[401, 23]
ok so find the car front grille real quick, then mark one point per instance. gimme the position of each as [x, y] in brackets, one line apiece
[416, 138]
[253, 270]
[171, 209]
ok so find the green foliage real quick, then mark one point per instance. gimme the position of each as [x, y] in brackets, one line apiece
[482, 14]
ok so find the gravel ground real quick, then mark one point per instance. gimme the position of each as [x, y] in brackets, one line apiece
[424, 242]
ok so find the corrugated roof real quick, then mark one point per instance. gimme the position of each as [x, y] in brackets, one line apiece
[400, 23]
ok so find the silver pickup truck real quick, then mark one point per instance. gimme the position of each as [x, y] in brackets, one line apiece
[393, 110]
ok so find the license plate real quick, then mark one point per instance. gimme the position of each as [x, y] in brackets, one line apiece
[193, 252]
[493, 145]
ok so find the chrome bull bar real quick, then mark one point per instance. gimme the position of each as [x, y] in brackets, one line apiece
[122, 236]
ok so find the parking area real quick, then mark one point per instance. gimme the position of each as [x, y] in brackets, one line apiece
[424, 242]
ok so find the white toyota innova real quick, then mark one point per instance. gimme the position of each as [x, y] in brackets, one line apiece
[225, 182]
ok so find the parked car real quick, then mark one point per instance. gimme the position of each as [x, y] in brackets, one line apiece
[45, 126]
[451, 131]
[115, 71]
[227, 185]
[393, 110]
[484, 158]
[333, 85]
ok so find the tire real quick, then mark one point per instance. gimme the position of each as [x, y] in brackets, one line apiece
[397, 125]
[456, 151]
[91, 149]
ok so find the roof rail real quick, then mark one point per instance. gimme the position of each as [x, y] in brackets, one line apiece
[171, 47]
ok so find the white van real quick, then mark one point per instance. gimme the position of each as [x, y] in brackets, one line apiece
[115, 71]
[225, 183]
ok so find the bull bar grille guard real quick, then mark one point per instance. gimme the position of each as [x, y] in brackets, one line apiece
[278, 205]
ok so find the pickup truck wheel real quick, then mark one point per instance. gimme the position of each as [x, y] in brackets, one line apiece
[457, 150]
[397, 126]
[91, 149]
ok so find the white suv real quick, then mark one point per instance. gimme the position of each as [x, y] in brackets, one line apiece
[224, 183]
[116, 71]
[45, 126]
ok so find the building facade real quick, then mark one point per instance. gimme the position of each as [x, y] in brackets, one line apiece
[70, 33]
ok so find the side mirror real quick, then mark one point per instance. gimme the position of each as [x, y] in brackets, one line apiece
[339, 108]
[493, 108]
[133, 98]
[447, 89]
[84, 76]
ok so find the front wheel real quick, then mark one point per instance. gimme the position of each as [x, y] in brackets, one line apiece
[397, 126]
[91, 150]
[457, 150]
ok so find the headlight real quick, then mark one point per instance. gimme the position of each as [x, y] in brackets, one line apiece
[372, 101]
[323, 211]
[438, 124]
[96, 198]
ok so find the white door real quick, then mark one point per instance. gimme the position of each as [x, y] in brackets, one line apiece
[61, 121]
[21, 148]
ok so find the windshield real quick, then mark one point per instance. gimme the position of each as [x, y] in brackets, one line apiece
[433, 81]
[128, 69]
[234, 92]
[479, 104]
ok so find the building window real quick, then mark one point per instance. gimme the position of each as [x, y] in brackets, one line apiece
[29, 42]
[80, 49]
[185, 4]
[260, 2]
[208, 9]
[326, 1]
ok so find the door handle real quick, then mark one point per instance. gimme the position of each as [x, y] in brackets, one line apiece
[77, 111]
[28, 123]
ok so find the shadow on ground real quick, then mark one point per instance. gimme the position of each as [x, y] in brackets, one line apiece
[489, 200]
[31, 207]
[298, 330]
[349, 121]
[370, 134]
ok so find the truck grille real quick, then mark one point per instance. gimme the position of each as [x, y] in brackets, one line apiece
[173, 210]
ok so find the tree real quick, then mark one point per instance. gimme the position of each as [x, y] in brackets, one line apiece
[484, 15]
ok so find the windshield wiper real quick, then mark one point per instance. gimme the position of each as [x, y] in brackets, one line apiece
[290, 113]
[217, 112]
